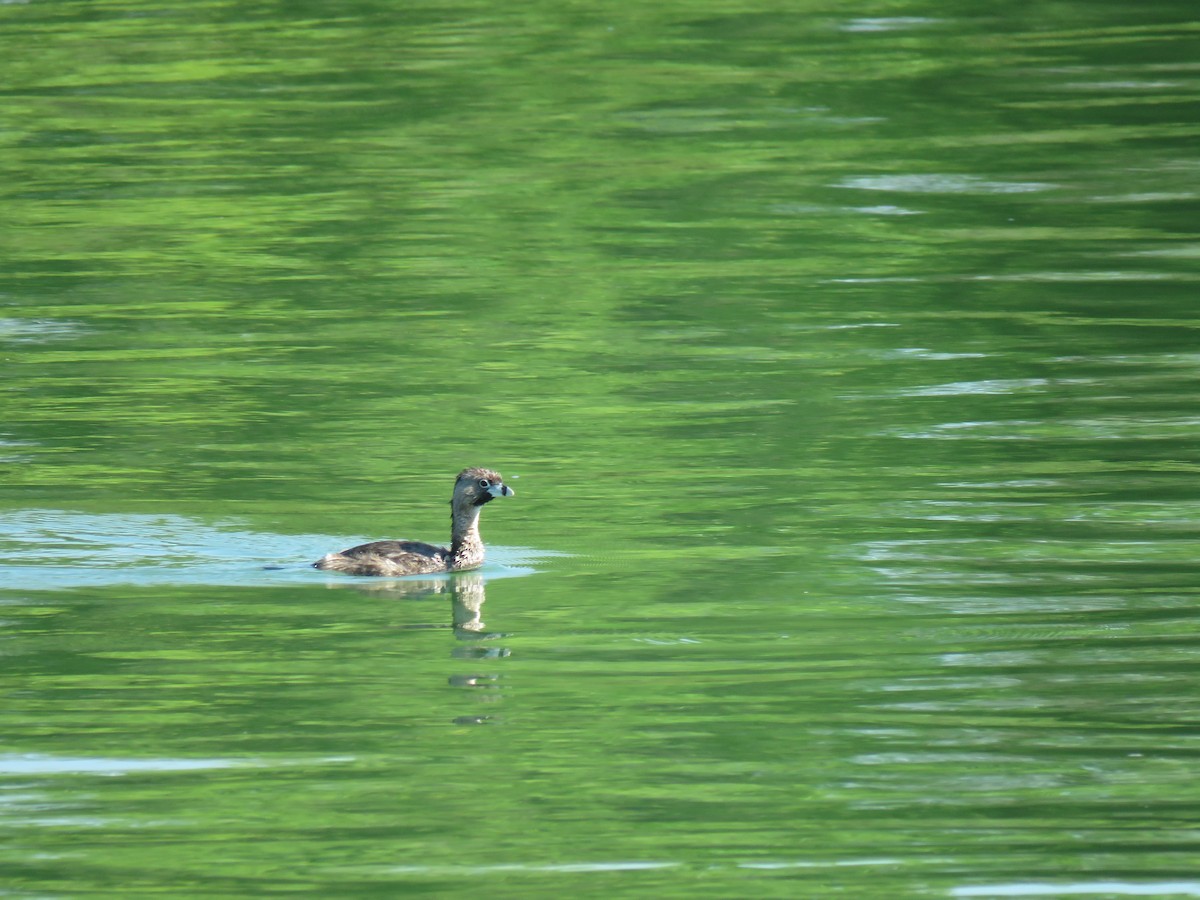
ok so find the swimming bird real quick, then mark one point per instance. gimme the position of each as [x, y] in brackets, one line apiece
[473, 488]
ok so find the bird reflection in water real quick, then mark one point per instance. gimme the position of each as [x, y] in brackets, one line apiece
[467, 593]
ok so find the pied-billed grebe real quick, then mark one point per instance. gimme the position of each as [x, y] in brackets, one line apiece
[472, 489]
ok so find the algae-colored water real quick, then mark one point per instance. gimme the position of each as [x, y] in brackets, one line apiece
[844, 361]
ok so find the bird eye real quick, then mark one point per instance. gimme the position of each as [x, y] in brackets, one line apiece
[484, 483]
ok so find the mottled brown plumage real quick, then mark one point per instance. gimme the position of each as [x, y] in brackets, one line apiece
[472, 489]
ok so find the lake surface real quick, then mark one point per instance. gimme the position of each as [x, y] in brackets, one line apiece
[844, 363]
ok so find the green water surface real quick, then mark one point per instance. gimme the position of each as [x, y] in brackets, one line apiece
[844, 361]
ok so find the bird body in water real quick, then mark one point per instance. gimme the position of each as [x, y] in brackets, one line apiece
[473, 488]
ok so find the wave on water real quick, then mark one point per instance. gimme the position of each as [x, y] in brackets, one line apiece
[55, 549]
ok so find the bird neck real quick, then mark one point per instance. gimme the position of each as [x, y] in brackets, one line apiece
[466, 547]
